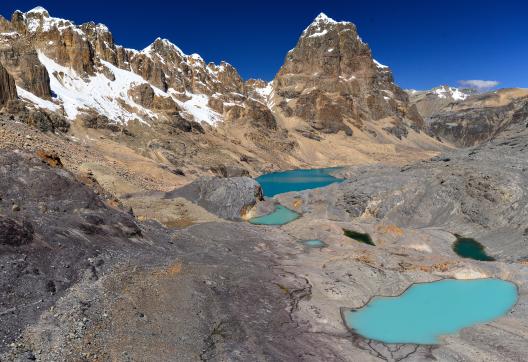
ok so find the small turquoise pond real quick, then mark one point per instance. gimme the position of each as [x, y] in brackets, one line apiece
[296, 180]
[280, 216]
[313, 243]
[424, 312]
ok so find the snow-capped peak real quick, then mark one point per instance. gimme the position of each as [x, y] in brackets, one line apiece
[39, 19]
[445, 91]
[165, 43]
[38, 10]
[102, 28]
[322, 17]
[319, 25]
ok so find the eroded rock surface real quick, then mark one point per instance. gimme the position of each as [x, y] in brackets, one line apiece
[52, 229]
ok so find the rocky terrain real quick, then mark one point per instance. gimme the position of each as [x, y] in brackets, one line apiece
[115, 288]
[123, 209]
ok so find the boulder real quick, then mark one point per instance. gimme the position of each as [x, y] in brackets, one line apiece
[229, 198]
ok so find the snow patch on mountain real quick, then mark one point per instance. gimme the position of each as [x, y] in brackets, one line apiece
[197, 106]
[109, 98]
[265, 91]
[379, 65]
[321, 33]
[37, 101]
[38, 10]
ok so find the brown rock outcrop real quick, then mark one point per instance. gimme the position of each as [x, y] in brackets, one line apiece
[252, 112]
[21, 61]
[145, 96]
[7, 87]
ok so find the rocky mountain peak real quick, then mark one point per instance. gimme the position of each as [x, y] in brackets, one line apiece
[331, 79]
[39, 20]
[328, 48]
[320, 23]
[162, 46]
[322, 17]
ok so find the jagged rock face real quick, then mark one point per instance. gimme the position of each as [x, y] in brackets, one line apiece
[258, 89]
[164, 65]
[20, 59]
[58, 38]
[144, 95]
[331, 80]
[7, 87]
[322, 113]
[104, 48]
[465, 118]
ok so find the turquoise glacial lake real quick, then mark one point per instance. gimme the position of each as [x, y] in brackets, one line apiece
[424, 312]
[280, 216]
[296, 180]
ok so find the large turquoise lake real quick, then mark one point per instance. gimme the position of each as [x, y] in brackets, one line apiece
[427, 311]
[296, 180]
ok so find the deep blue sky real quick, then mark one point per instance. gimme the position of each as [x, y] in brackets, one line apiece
[426, 43]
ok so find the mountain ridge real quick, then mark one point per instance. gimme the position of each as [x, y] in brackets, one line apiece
[323, 107]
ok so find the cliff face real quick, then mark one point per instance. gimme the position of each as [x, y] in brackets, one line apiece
[331, 80]
[7, 87]
[19, 57]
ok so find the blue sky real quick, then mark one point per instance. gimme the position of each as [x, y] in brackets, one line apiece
[426, 43]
